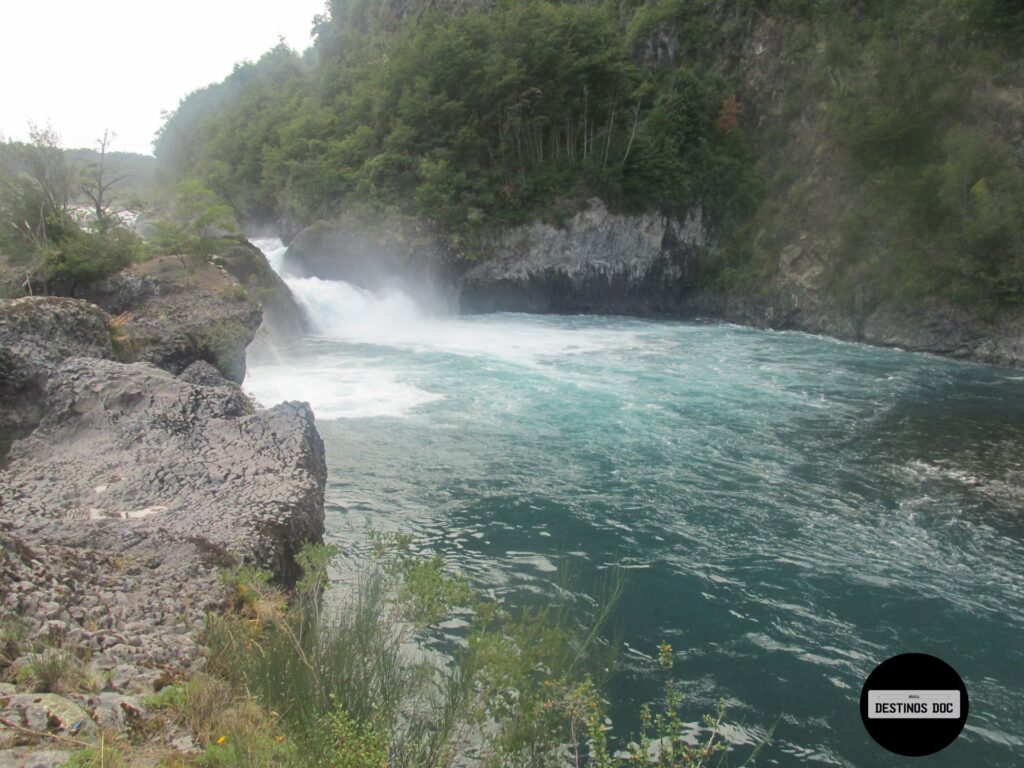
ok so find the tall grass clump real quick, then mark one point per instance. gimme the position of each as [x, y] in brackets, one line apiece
[355, 684]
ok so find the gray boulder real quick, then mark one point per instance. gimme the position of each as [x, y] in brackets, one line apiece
[131, 445]
[283, 319]
[36, 334]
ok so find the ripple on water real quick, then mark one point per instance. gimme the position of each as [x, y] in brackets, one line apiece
[788, 510]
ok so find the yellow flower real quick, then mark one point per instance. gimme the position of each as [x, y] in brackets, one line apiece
[279, 739]
[221, 739]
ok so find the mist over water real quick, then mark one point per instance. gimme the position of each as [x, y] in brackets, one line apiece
[790, 510]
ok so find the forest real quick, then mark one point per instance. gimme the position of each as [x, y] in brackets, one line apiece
[475, 115]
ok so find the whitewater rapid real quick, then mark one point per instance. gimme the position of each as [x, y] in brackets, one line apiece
[790, 510]
[366, 384]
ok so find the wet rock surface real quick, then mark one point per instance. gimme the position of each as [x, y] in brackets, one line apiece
[925, 325]
[599, 262]
[283, 319]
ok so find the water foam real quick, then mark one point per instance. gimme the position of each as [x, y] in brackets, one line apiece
[348, 313]
[339, 386]
[335, 386]
[336, 389]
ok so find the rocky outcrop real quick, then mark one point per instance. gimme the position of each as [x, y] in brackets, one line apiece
[599, 262]
[283, 319]
[925, 325]
[610, 263]
[171, 314]
[657, 49]
[127, 492]
[942, 328]
[36, 333]
[602, 262]
[130, 447]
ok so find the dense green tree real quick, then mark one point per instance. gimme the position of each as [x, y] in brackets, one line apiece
[470, 115]
[487, 117]
[198, 224]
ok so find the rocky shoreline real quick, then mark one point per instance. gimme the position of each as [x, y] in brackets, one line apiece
[646, 265]
[134, 471]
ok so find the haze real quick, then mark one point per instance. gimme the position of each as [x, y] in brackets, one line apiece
[84, 67]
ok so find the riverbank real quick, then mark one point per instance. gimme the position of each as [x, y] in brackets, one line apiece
[604, 263]
[135, 471]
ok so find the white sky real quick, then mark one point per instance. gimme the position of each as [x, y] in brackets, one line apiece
[84, 66]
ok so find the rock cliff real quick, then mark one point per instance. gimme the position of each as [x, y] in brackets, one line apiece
[599, 262]
[612, 263]
[35, 335]
[172, 312]
[125, 489]
[283, 319]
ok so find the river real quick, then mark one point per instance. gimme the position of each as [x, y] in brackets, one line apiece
[789, 510]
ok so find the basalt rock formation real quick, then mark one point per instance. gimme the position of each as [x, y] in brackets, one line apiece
[132, 443]
[125, 489]
[36, 333]
[599, 262]
[172, 312]
[653, 265]
[283, 319]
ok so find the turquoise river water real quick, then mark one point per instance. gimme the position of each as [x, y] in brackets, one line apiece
[789, 510]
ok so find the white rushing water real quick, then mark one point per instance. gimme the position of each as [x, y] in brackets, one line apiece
[791, 510]
[368, 384]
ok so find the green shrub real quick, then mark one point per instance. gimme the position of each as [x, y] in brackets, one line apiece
[347, 690]
[13, 635]
[82, 257]
[200, 224]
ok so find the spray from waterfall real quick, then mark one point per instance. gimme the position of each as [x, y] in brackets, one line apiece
[343, 311]
[367, 351]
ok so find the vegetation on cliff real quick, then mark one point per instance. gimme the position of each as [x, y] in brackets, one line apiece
[882, 139]
[43, 232]
[68, 218]
[485, 118]
[291, 683]
[367, 681]
[919, 100]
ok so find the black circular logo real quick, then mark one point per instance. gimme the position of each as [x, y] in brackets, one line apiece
[914, 704]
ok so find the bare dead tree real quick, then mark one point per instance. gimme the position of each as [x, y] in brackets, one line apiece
[96, 183]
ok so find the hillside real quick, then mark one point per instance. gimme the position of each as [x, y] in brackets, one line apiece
[844, 157]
